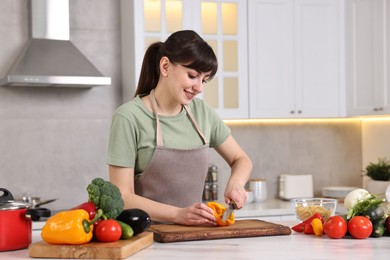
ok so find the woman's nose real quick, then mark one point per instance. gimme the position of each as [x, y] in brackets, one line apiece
[198, 87]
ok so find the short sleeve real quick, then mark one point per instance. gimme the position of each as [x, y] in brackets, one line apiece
[122, 149]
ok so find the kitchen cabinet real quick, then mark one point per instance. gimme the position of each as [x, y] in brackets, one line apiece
[295, 65]
[222, 23]
[369, 56]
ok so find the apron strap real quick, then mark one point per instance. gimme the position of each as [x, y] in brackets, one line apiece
[195, 124]
[159, 137]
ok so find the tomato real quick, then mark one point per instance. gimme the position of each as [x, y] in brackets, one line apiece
[108, 231]
[335, 227]
[360, 227]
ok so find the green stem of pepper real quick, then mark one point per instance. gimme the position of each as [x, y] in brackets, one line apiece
[87, 224]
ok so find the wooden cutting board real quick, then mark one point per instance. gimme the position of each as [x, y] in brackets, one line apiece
[94, 250]
[241, 228]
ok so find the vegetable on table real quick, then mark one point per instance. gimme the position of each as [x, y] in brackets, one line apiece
[89, 207]
[137, 219]
[308, 229]
[360, 200]
[378, 228]
[127, 231]
[219, 210]
[301, 226]
[318, 228]
[360, 227]
[374, 212]
[68, 227]
[335, 227]
[108, 231]
[106, 196]
[387, 225]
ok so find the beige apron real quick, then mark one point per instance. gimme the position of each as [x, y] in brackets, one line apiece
[174, 176]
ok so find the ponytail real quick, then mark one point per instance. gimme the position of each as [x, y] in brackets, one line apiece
[150, 70]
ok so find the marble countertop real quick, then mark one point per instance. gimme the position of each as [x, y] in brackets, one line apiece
[274, 207]
[294, 246]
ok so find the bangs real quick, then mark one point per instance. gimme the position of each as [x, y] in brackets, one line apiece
[203, 59]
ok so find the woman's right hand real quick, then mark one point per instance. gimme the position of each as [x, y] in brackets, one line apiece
[198, 214]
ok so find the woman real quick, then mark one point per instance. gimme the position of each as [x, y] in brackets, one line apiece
[159, 141]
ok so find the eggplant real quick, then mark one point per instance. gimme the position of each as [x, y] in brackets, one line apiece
[137, 219]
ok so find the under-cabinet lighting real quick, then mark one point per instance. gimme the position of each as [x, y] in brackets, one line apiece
[384, 118]
[303, 120]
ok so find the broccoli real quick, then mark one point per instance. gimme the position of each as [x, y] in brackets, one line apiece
[106, 196]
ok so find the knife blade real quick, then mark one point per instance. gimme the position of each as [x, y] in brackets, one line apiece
[230, 210]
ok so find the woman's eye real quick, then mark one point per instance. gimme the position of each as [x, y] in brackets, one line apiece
[191, 76]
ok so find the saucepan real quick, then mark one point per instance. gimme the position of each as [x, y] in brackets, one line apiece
[15, 222]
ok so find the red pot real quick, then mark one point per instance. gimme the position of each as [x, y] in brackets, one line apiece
[15, 222]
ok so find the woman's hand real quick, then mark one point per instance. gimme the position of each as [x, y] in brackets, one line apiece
[198, 214]
[236, 193]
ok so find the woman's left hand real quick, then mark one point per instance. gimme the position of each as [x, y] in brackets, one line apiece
[236, 193]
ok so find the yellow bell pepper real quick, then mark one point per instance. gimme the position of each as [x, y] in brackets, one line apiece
[68, 227]
[219, 210]
[317, 227]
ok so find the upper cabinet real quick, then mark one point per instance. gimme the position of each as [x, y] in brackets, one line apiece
[369, 56]
[222, 23]
[295, 68]
[277, 58]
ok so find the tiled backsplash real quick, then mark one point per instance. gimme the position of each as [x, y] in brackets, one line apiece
[330, 151]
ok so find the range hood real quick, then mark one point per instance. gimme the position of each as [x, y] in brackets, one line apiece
[50, 58]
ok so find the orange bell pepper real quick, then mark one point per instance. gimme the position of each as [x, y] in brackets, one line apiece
[219, 210]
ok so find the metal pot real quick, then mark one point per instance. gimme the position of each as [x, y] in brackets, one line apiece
[15, 222]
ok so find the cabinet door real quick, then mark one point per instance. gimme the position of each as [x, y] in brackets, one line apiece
[294, 59]
[222, 23]
[317, 58]
[368, 89]
[271, 58]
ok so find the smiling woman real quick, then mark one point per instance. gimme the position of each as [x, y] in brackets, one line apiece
[159, 142]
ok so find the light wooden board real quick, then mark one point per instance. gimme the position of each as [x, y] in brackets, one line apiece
[93, 250]
[241, 228]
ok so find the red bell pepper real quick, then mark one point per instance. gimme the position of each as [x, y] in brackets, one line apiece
[308, 229]
[88, 207]
[301, 226]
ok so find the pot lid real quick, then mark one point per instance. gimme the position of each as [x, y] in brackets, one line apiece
[7, 201]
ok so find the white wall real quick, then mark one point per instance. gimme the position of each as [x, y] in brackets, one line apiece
[375, 140]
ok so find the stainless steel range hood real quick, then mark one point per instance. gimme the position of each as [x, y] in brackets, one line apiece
[50, 58]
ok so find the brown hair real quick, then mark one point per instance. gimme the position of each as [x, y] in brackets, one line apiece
[182, 47]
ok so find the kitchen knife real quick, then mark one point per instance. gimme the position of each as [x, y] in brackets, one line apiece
[230, 210]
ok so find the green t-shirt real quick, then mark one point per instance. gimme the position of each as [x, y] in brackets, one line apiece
[133, 132]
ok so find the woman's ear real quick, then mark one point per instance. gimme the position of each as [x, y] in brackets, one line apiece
[164, 66]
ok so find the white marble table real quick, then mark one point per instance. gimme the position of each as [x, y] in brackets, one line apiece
[294, 246]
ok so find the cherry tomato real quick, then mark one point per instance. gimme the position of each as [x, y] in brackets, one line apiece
[360, 227]
[108, 231]
[335, 227]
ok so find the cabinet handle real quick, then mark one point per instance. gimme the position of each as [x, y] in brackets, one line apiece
[292, 112]
[378, 109]
[299, 112]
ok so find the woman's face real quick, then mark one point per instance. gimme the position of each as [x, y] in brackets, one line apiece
[185, 83]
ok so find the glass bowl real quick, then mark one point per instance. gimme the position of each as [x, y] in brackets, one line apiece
[307, 207]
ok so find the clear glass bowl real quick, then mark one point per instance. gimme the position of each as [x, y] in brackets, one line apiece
[307, 207]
